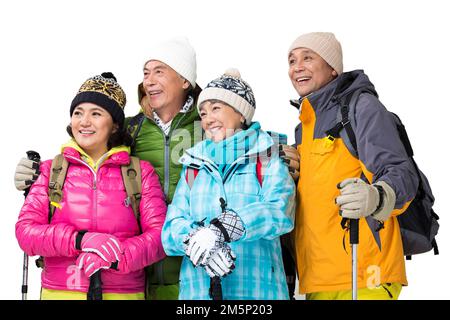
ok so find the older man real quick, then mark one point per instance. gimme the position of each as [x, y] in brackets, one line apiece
[374, 187]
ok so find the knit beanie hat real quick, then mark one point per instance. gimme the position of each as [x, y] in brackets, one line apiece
[325, 45]
[104, 91]
[231, 89]
[178, 54]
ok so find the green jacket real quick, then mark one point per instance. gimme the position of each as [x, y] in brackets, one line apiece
[163, 152]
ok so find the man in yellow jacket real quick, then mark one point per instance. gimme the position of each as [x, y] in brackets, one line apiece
[374, 187]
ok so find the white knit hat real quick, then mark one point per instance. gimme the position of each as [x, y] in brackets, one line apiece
[231, 89]
[178, 54]
[325, 45]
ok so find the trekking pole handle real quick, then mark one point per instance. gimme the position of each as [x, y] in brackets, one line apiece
[354, 231]
[33, 156]
[95, 287]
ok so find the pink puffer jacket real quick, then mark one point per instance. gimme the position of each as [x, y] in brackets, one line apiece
[93, 201]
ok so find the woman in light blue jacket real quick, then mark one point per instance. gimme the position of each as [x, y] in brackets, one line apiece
[233, 202]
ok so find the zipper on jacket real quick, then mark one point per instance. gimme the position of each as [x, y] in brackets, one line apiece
[159, 270]
[94, 188]
[167, 153]
[166, 165]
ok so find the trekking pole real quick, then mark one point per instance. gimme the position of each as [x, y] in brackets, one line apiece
[215, 283]
[95, 287]
[34, 156]
[354, 240]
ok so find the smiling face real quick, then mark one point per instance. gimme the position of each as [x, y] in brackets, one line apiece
[164, 87]
[308, 71]
[91, 128]
[219, 120]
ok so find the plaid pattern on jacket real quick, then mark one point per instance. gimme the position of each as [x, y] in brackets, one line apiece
[267, 212]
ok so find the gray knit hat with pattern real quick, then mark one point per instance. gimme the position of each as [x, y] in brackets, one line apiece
[231, 89]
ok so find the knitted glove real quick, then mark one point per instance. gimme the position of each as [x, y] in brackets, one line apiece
[26, 173]
[359, 199]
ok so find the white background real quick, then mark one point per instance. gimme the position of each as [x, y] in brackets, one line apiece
[48, 48]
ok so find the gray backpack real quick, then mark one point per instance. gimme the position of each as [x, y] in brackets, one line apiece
[418, 224]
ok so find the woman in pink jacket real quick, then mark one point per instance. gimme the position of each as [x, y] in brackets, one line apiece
[93, 227]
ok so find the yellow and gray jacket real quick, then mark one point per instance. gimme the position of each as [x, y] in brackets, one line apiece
[323, 260]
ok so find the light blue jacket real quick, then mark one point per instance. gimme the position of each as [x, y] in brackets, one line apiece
[267, 212]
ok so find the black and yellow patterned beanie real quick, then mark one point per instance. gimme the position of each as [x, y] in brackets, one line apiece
[104, 91]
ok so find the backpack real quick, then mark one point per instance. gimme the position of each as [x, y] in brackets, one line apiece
[131, 175]
[418, 224]
[286, 240]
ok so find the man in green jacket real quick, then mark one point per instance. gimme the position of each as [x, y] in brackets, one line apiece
[162, 131]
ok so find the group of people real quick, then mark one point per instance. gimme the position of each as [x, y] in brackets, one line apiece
[236, 207]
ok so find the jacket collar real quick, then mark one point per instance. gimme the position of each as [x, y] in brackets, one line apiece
[197, 157]
[116, 156]
[344, 84]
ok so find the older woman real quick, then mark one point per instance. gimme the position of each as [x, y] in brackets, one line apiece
[93, 227]
[227, 216]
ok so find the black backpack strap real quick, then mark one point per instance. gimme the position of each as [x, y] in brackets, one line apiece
[345, 108]
[134, 126]
[334, 132]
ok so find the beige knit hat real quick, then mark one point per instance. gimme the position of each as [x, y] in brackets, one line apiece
[231, 89]
[325, 45]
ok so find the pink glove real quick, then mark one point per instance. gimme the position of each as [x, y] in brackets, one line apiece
[91, 263]
[107, 246]
[121, 266]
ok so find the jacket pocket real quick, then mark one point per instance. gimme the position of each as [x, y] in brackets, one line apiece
[244, 181]
[322, 161]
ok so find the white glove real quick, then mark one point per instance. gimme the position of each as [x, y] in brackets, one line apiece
[26, 173]
[359, 199]
[221, 263]
[200, 245]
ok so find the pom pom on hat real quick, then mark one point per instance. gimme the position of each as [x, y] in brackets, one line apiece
[232, 72]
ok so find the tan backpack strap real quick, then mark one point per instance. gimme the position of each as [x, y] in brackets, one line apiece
[58, 173]
[132, 179]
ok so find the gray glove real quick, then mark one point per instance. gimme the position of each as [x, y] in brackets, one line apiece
[26, 173]
[359, 199]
